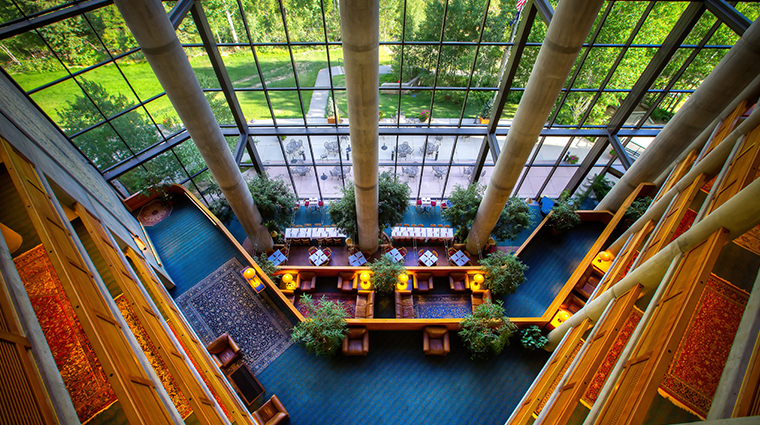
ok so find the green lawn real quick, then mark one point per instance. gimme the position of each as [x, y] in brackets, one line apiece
[276, 69]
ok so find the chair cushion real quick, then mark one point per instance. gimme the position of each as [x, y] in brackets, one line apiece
[436, 332]
[436, 345]
[355, 345]
[354, 333]
[226, 356]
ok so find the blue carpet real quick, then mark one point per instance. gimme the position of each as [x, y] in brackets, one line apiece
[224, 303]
[190, 246]
[397, 383]
[551, 261]
[448, 306]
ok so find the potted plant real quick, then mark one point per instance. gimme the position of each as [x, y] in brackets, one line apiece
[571, 159]
[637, 208]
[330, 111]
[324, 327]
[564, 215]
[486, 331]
[463, 205]
[274, 200]
[485, 111]
[268, 268]
[503, 272]
[424, 115]
[532, 338]
[393, 200]
[385, 274]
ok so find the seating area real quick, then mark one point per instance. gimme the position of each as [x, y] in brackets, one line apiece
[224, 351]
[272, 412]
[435, 341]
[356, 342]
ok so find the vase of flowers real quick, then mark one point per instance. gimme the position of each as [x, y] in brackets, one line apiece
[424, 115]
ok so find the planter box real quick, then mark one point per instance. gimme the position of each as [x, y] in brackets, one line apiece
[484, 120]
[332, 120]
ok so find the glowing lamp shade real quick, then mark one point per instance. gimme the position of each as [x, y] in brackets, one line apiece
[401, 286]
[291, 285]
[478, 278]
[364, 277]
[403, 278]
[249, 273]
[273, 234]
[562, 316]
[287, 278]
[605, 256]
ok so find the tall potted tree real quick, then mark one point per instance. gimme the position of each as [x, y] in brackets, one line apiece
[564, 215]
[323, 329]
[385, 274]
[392, 202]
[463, 206]
[486, 331]
[503, 273]
[330, 111]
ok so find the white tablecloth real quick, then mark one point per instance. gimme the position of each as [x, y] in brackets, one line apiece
[318, 258]
[277, 258]
[459, 258]
[428, 258]
[312, 233]
[423, 233]
[395, 255]
[357, 259]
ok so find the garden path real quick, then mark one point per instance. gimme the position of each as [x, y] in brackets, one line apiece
[319, 97]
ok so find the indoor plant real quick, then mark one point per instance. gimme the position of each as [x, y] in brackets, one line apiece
[385, 274]
[532, 338]
[564, 215]
[392, 202]
[463, 205]
[637, 208]
[486, 331]
[324, 327]
[503, 272]
[485, 111]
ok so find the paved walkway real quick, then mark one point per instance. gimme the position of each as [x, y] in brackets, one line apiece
[319, 97]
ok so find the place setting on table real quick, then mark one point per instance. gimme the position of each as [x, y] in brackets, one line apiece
[319, 256]
[357, 259]
[459, 258]
[277, 258]
[428, 258]
[395, 255]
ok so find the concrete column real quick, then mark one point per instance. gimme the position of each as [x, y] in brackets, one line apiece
[153, 31]
[568, 30]
[738, 215]
[733, 73]
[360, 26]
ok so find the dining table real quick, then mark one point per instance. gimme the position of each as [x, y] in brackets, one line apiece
[428, 258]
[319, 258]
[357, 259]
[277, 258]
[460, 258]
[395, 255]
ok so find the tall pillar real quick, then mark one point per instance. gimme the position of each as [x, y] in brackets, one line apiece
[567, 31]
[360, 26]
[149, 23]
[733, 73]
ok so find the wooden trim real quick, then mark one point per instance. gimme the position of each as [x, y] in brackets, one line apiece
[195, 349]
[156, 330]
[109, 342]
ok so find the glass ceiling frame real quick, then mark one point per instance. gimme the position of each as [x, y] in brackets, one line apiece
[616, 132]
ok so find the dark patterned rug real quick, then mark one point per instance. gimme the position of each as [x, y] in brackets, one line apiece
[224, 302]
[442, 306]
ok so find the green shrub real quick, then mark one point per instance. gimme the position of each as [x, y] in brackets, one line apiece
[385, 274]
[324, 327]
[532, 338]
[486, 331]
[503, 272]
[564, 215]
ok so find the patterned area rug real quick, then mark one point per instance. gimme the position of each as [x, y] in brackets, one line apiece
[442, 306]
[80, 369]
[348, 301]
[701, 356]
[750, 240]
[685, 224]
[592, 392]
[224, 302]
[153, 212]
[151, 352]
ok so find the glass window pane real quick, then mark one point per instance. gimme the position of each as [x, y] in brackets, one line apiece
[136, 128]
[74, 42]
[102, 146]
[165, 116]
[241, 68]
[30, 62]
[254, 106]
[108, 89]
[140, 75]
[161, 169]
[264, 20]
[112, 29]
[66, 104]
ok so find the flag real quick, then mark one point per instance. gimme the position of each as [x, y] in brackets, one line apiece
[520, 4]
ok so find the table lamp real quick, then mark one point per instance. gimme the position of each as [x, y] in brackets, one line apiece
[478, 279]
[364, 277]
[249, 273]
[605, 256]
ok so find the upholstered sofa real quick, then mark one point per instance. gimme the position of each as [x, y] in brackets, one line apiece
[271, 413]
[404, 305]
[435, 341]
[306, 281]
[224, 351]
[356, 343]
